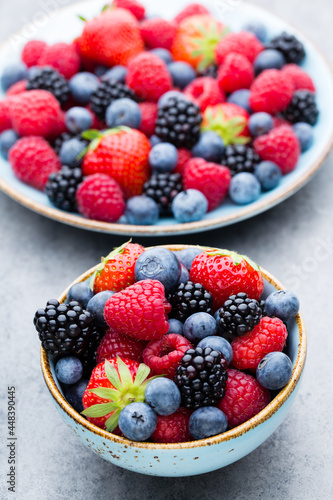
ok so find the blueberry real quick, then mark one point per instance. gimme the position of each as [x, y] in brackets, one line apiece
[13, 73]
[81, 293]
[70, 152]
[69, 370]
[96, 307]
[241, 98]
[257, 28]
[210, 147]
[7, 140]
[260, 124]
[171, 93]
[268, 174]
[78, 120]
[188, 255]
[116, 74]
[142, 210]
[189, 206]
[163, 54]
[100, 70]
[218, 344]
[158, 264]
[207, 421]
[74, 394]
[155, 140]
[175, 326]
[181, 73]
[137, 421]
[269, 59]
[163, 158]
[198, 326]
[163, 396]
[82, 86]
[123, 111]
[274, 371]
[244, 188]
[304, 134]
[185, 275]
[282, 304]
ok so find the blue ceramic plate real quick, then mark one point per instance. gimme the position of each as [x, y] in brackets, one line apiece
[64, 25]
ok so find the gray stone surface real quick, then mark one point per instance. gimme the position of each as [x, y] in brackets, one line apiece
[40, 257]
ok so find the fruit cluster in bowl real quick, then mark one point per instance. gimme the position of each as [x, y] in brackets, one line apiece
[169, 346]
[164, 117]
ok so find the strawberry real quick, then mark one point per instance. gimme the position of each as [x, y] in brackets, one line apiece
[173, 428]
[136, 8]
[157, 32]
[204, 92]
[244, 43]
[280, 146]
[301, 80]
[121, 153]
[163, 356]
[63, 57]
[223, 273]
[114, 344]
[229, 121]
[148, 77]
[193, 9]
[235, 73]
[271, 92]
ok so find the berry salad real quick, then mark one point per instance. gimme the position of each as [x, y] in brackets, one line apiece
[165, 118]
[169, 346]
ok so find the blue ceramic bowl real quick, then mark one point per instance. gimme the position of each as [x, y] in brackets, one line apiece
[194, 457]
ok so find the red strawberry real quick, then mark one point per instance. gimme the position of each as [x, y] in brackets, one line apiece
[136, 8]
[123, 155]
[163, 356]
[193, 9]
[249, 349]
[235, 73]
[63, 57]
[113, 344]
[184, 155]
[271, 92]
[280, 146]
[301, 80]
[173, 428]
[5, 120]
[229, 121]
[204, 92]
[116, 271]
[211, 179]
[32, 51]
[148, 77]
[17, 88]
[157, 32]
[224, 273]
[98, 45]
[139, 311]
[148, 117]
[243, 43]
[244, 398]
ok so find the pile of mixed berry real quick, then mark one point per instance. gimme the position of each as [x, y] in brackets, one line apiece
[169, 346]
[141, 118]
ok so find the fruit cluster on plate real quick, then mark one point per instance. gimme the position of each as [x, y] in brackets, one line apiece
[169, 346]
[143, 117]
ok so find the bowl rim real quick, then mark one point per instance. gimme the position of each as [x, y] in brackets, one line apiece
[236, 432]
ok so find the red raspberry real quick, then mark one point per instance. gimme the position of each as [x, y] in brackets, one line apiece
[279, 122]
[33, 160]
[5, 120]
[268, 336]
[148, 117]
[60, 126]
[244, 398]
[100, 197]
[301, 80]
[114, 344]
[243, 43]
[32, 52]
[211, 179]
[163, 356]
[173, 428]
[158, 33]
[205, 91]
[139, 311]
[280, 146]
[235, 73]
[63, 57]
[184, 155]
[136, 8]
[271, 92]
[17, 88]
[148, 77]
[193, 9]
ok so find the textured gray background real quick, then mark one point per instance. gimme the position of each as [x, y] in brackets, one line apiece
[38, 258]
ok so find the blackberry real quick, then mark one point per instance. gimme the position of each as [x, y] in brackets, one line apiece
[106, 93]
[64, 329]
[291, 48]
[303, 108]
[163, 188]
[178, 121]
[201, 377]
[49, 79]
[240, 158]
[190, 298]
[209, 71]
[88, 358]
[239, 315]
[61, 188]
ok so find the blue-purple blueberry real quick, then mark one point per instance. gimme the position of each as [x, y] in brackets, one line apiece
[182, 74]
[241, 98]
[163, 54]
[142, 210]
[244, 188]
[81, 293]
[78, 120]
[187, 256]
[282, 304]
[304, 133]
[163, 396]
[274, 371]
[74, 394]
[137, 421]
[123, 111]
[69, 370]
[210, 147]
[185, 276]
[260, 123]
[268, 59]
[189, 206]
[163, 158]
[7, 140]
[160, 264]
[82, 86]
[257, 28]
[207, 421]
[13, 73]
[71, 151]
[218, 344]
[198, 326]
[175, 326]
[268, 174]
[96, 307]
[116, 74]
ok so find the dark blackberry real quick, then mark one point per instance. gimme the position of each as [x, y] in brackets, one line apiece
[303, 108]
[49, 79]
[201, 377]
[64, 329]
[209, 71]
[239, 315]
[178, 122]
[289, 46]
[190, 298]
[106, 93]
[61, 188]
[88, 358]
[163, 188]
[240, 158]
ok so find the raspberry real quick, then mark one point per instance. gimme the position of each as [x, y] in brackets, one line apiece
[280, 146]
[193, 9]
[148, 117]
[17, 88]
[133, 6]
[163, 356]
[148, 77]
[204, 91]
[243, 43]
[139, 311]
[173, 428]
[63, 57]
[158, 33]
[33, 160]
[184, 155]
[32, 52]
[244, 398]
[301, 80]
[114, 344]
[5, 120]
[268, 336]
[271, 92]
[235, 73]
[100, 197]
